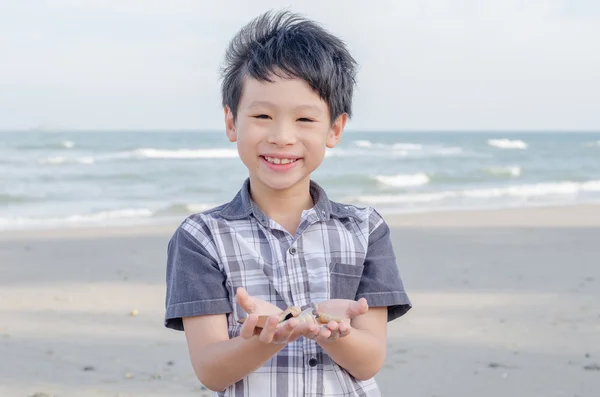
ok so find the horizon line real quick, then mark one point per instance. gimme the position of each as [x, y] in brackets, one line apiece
[351, 130]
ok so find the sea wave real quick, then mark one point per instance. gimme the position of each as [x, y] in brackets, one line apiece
[593, 144]
[76, 219]
[521, 191]
[65, 144]
[146, 153]
[55, 160]
[401, 180]
[182, 209]
[211, 153]
[396, 146]
[507, 143]
[104, 217]
[512, 171]
[409, 150]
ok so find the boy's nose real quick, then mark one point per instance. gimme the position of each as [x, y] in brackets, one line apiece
[282, 136]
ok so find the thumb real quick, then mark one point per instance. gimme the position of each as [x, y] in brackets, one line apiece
[358, 307]
[245, 301]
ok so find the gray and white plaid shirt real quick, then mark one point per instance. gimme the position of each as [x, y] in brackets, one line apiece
[339, 251]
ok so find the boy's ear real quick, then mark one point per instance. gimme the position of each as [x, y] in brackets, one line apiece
[335, 132]
[230, 124]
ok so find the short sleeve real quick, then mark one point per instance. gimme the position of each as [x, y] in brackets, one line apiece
[381, 283]
[195, 284]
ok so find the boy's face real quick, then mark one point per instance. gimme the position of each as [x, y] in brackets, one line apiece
[282, 130]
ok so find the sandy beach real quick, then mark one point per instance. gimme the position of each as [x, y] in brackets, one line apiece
[505, 304]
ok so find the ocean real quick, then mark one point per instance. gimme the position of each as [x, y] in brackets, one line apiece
[70, 179]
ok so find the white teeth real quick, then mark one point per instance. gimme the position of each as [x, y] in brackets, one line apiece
[275, 160]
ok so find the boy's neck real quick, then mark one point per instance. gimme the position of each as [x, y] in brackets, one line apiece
[283, 206]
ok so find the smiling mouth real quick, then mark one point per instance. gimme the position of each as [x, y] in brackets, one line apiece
[276, 160]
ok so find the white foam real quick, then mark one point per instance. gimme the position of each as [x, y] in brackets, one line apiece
[407, 146]
[53, 160]
[537, 190]
[68, 144]
[77, 219]
[361, 143]
[403, 180]
[404, 149]
[593, 144]
[448, 151]
[63, 160]
[402, 198]
[86, 160]
[395, 146]
[507, 143]
[213, 153]
[591, 186]
[511, 170]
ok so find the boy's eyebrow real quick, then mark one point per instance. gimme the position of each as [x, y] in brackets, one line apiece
[313, 108]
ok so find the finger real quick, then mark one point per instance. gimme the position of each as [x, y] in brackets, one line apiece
[358, 308]
[324, 333]
[283, 333]
[315, 330]
[308, 330]
[333, 326]
[245, 301]
[344, 329]
[334, 336]
[248, 327]
[266, 335]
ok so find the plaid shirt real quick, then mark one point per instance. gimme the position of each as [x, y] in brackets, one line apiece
[338, 251]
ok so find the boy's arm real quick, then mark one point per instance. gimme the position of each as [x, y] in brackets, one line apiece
[219, 361]
[362, 352]
[196, 302]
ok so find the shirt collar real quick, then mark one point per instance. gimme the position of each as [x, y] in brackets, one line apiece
[242, 205]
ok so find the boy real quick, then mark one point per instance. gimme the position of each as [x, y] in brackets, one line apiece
[287, 93]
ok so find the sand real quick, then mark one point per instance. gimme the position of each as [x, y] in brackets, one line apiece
[505, 304]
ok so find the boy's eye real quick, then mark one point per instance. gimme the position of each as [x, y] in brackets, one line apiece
[261, 116]
[304, 119]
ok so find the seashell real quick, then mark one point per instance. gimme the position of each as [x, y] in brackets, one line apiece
[306, 316]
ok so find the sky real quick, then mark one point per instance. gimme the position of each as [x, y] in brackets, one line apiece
[424, 64]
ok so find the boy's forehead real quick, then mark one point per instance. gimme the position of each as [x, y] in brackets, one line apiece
[289, 91]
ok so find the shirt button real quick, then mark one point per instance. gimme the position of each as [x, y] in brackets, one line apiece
[312, 362]
[293, 250]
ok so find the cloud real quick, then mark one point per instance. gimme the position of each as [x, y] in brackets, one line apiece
[429, 64]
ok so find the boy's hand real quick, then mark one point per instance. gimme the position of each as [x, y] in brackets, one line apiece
[343, 309]
[291, 331]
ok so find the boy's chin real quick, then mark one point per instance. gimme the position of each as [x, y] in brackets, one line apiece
[282, 183]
